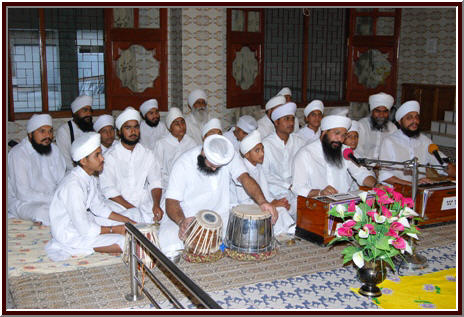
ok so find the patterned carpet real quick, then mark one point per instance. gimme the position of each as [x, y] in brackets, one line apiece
[105, 287]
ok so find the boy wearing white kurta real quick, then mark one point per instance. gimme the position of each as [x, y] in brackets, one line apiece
[151, 128]
[265, 124]
[313, 115]
[105, 126]
[245, 125]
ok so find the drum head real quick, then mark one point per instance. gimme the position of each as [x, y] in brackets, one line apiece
[252, 212]
[209, 219]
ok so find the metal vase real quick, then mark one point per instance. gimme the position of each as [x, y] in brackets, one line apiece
[371, 274]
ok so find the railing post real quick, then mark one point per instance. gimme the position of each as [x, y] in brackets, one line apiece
[134, 295]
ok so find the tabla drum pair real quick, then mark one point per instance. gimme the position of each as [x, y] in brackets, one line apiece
[150, 231]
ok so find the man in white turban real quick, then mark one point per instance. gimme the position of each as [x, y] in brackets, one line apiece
[132, 176]
[313, 115]
[105, 126]
[151, 128]
[80, 221]
[245, 125]
[200, 179]
[287, 93]
[81, 122]
[35, 168]
[172, 145]
[213, 126]
[198, 115]
[405, 144]
[319, 167]
[374, 128]
[265, 124]
[281, 147]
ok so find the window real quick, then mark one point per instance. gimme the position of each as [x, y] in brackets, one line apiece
[70, 43]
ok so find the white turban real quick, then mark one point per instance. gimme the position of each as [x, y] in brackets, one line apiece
[103, 121]
[128, 114]
[81, 102]
[408, 106]
[211, 124]
[354, 126]
[247, 123]
[284, 91]
[379, 100]
[172, 115]
[250, 141]
[218, 150]
[147, 105]
[195, 95]
[284, 110]
[275, 101]
[38, 120]
[335, 121]
[84, 145]
[314, 105]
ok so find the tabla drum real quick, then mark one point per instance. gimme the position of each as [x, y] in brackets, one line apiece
[150, 231]
[249, 234]
[204, 237]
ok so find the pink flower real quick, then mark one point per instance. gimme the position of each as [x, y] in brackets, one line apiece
[386, 212]
[397, 196]
[349, 224]
[408, 202]
[370, 202]
[345, 232]
[352, 206]
[399, 243]
[389, 189]
[396, 226]
[372, 214]
[385, 200]
[392, 233]
[379, 192]
[369, 227]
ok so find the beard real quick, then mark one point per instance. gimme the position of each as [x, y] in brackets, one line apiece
[84, 123]
[332, 155]
[41, 149]
[152, 124]
[379, 124]
[203, 168]
[410, 133]
[201, 115]
[129, 142]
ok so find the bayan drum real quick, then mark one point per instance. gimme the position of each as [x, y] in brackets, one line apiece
[204, 237]
[150, 231]
[249, 234]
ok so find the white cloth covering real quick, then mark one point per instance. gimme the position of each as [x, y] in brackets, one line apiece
[81, 102]
[38, 120]
[274, 102]
[85, 145]
[103, 121]
[167, 150]
[63, 141]
[247, 123]
[172, 115]
[284, 91]
[314, 105]
[127, 115]
[399, 147]
[380, 100]
[266, 126]
[148, 105]
[32, 180]
[308, 134]
[193, 128]
[76, 204]
[335, 121]
[196, 191]
[370, 140]
[218, 150]
[213, 123]
[150, 135]
[195, 95]
[286, 109]
[311, 171]
[131, 174]
[407, 107]
[250, 141]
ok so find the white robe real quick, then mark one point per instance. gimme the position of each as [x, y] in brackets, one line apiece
[312, 171]
[399, 147]
[76, 204]
[167, 150]
[277, 166]
[32, 181]
[196, 191]
[231, 137]
[308, 134]
[63, 141]
[194, 128]
[266, 126]
[370, 140]
[131, 174]
[149, 136]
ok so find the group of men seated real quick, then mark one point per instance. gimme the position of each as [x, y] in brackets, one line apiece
[89, 184]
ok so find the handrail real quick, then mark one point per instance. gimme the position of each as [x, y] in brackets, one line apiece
[190, 285]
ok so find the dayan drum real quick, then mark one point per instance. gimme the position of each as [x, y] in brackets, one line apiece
[204, 237]
[249, 231]
[150, 231]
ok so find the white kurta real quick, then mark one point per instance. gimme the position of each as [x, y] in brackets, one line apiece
[266, 126]
[311, 171]
[308, 134]
[72, 211]
[149, 136]
[231, 137]
[278, 163]
[167, 150]
[370, 140]
[63, 140]
[399, 147]
[193, 128]
[32, 181]
[196, 191]
[131, 174]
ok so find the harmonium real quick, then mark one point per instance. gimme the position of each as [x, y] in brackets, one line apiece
[435, 202]
[312, 221]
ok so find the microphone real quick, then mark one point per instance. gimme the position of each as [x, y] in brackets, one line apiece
[348, 155]
[433, 149]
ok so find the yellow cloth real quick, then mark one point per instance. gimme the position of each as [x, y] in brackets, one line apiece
[429, 291]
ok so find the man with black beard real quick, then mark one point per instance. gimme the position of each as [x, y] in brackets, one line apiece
[132, 176]
[374, 128]
[35, 167]
[405, 144]
[200, 179]
[319, 167]
[151, 129]
[198, 116]
[81, 122]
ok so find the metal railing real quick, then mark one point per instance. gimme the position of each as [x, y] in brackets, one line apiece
[136, 285]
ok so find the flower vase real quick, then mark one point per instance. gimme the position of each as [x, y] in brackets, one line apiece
[371, 274]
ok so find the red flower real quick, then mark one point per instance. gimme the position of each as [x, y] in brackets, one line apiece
[370, 202]
[352, 206]
[392, 233]
[399, 243]
[372, 214]
[370, 228]
[408, 202]
[379, 192]
[345, 232]
[397, 226]
[384, 200]
[386, 212]
[397, 196]
[389, 189]
[349, 224]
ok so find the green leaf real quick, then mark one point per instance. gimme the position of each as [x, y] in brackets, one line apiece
[382, 243]
[390, 262]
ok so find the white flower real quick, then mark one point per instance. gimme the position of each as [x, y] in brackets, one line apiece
[358, 214]
[408, 248]
[379, 219]
[341, 210]
[358, 259]
[413, 235]
[408, 212]
[392, 219]
[404, 221]
[363, 196]
[363, 233]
